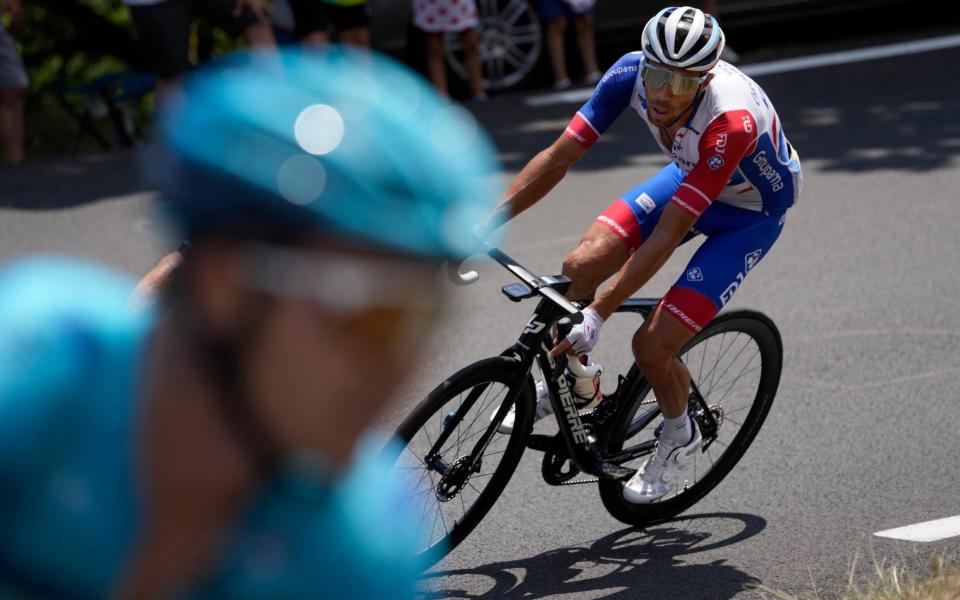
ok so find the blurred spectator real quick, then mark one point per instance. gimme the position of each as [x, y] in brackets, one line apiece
[13, 87]
[164, 30]
[349, 20]
[556, 14]
[211, 448]
[439, 17]
[712, 8]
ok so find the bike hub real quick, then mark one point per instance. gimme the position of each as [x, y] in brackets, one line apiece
[454, 480]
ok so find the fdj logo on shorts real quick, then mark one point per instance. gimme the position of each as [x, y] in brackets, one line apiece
[751, 260]
[715, 162]
[695, 274]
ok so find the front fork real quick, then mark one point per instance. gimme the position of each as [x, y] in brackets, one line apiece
[433, 458]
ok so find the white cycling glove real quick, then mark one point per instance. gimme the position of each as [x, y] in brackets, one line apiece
[585, 335]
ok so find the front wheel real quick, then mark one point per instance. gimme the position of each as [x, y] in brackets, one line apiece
[451, 492]
[735, 363]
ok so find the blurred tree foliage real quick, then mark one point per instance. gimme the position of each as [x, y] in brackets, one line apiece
[68, 42]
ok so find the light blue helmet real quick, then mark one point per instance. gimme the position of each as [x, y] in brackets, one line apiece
[342, 143]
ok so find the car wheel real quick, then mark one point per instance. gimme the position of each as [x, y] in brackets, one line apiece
[510, 42]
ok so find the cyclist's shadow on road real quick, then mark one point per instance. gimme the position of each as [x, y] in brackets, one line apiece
[635, 564]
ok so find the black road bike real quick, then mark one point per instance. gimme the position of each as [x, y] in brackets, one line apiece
[457, 463]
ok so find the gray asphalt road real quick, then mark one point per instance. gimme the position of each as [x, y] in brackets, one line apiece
[863, 284]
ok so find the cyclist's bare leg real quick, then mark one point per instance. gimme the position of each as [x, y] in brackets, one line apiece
[655, 348]
[599, 255]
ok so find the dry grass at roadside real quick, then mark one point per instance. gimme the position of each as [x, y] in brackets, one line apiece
[939, 581]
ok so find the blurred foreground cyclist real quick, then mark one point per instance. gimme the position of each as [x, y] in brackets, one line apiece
[210, 448]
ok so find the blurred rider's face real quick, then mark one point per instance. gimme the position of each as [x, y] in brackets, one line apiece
[335, 331]
[322, 367]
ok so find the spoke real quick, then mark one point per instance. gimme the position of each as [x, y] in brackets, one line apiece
[735, 379]
[744, 388]
[443, 521]
[727, 413]
[434, 526]
[426, 432]
[703, 357]
[487, 403]
[514, 56]
[732, 362]
[470, 437]
[727, 380]
[425, 473]
[527, 34]
[482, 411]
[514, 10]
[716, 364]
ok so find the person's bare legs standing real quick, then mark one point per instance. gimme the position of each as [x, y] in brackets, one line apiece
[471, 59]
[13, 88]
[588, 47]
[435, 66]
[11, 125]
[556, 29]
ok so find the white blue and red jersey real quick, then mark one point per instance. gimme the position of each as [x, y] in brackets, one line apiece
[732, 168]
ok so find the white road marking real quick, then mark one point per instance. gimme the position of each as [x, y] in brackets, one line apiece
[928, 531]
[790, 64]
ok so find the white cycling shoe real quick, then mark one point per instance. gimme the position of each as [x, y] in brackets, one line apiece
[665, 471]
[585, 384]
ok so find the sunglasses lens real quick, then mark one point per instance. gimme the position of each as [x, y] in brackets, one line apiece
[682, 86]
[655, 77]
[679, 84]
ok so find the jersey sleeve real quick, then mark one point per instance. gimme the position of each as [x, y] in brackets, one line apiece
[728, 138]
[55, 315]
[611, 96]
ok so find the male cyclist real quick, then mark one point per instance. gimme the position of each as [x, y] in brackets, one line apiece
[211, 449]
[732, 178]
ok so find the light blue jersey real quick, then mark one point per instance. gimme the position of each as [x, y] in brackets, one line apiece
[70, 364]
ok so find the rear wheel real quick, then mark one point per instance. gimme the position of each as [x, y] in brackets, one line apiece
[735, 363]
[451, 493]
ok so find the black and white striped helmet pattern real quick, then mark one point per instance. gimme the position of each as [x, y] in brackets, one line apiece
[683, 37]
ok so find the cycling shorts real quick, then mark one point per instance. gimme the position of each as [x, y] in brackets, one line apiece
[736, 240]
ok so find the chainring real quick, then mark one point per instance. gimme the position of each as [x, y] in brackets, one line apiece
[557, 467]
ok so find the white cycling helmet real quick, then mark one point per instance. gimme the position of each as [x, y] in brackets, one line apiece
[683, 37]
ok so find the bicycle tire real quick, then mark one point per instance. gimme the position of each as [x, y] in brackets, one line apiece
[764, 333]
[501, 371]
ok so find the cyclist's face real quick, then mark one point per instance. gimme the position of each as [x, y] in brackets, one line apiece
[663, 105]
[320, 376]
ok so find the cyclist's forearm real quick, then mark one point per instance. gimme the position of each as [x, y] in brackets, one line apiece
[534, 182]
[636, 272]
